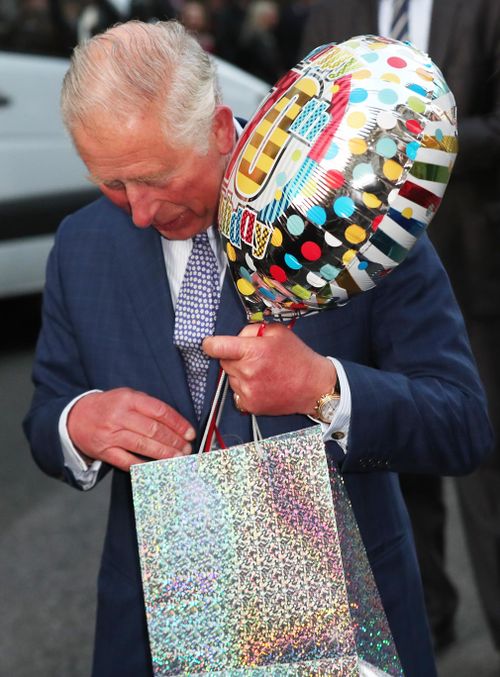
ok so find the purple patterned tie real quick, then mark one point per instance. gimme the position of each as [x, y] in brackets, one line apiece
[195, 315]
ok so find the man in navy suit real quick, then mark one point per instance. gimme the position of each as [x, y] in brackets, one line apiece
[142, 107]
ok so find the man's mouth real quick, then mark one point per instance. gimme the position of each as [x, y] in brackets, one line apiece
[172, 223]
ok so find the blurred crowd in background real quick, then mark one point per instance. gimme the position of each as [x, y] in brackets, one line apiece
[260, 36]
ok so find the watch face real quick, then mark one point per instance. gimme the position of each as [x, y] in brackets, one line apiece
[327, 408]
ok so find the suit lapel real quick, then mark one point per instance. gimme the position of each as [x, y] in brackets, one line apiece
[146, 280]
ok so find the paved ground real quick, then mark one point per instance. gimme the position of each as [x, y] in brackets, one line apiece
[51, 537]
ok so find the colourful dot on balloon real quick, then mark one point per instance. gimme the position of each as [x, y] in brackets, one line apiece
[439, 135]
[363, 74]
[231, 254]
[386, 147]
[424, 74]
[393, 195]
[310, 189]
[277, 237]
[416, 104]
[361, 170]
[278, 273]
[315, 280]
[299, 291]
[392, 170]
[378, 45]
[391, 77]
[334, 89]
[358, 95]
[355, 234]
[296, 155]
[371, 200]
[348, 256]
[332, 151]
[245, 287]
[249, 262]
[396, 62]
[388, 96]
[357, 146]
[332, 241]
[376, 222]
[292, 262]
[370, 57]
[407, 212]
[362, 265]
[295, 225]
[343, 206]
[329, 272]
[316, 215]
[418, 89]
[414, 126]
[245, 274]
[281, 179]
[278, 195]
[310, 251]
[411, 149]
[356, 119]
[267, 293]
[334, 178]
[386, 120]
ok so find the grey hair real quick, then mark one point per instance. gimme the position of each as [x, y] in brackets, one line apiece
[140, 67]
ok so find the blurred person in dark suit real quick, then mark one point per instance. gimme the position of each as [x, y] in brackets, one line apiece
[227, 20]
[258, 51]
[194, 17]
[463, 38]
[293, 17]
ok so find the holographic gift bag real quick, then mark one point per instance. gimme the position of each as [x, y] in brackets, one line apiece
[252, 564]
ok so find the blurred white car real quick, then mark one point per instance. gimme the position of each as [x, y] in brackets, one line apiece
[41, 177]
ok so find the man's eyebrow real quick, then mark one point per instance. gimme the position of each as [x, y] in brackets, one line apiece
[93, 179]
[150, 178]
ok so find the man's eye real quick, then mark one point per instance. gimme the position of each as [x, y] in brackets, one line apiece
[114, 185]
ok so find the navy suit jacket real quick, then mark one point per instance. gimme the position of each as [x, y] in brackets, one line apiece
[417, 403]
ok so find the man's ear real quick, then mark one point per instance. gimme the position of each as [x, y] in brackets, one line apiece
[223, 129]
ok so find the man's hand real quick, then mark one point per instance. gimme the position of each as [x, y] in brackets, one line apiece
[275, 373]
[123, 426]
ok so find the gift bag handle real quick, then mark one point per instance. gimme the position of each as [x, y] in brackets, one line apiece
[212, 426]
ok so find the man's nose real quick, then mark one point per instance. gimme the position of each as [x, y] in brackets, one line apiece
[142, 204]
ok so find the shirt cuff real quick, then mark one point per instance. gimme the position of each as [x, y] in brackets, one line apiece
[85, 475]
[338, 429]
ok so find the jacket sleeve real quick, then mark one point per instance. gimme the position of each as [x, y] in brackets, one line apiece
[418, 406]
[58, 374]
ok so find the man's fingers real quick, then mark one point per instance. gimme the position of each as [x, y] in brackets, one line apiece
[121, 459]
[156, 430]
[152, 408]
[226, 347]
[146, 447]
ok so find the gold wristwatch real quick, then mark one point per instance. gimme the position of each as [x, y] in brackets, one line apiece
[327, 404]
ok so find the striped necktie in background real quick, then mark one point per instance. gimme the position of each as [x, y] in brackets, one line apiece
[400, 20]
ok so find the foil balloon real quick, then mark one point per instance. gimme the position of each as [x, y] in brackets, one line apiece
[337, 174]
